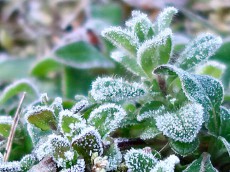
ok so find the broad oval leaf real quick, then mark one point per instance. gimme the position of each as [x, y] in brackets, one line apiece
[182, 125]
[112, 89]
[41, 117]
[122, 39]
[138, 160]
[107, 118]
[81, 55]
[16, 88]
[155, 51]
[200, 49]
[201, 164]
[184, 149]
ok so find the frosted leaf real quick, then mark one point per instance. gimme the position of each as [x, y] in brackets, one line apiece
[200, 49]
[141, 25]
[88, 142]
[56, 106]
[201, 89]
[112, 89]
[130, 63]
[151, 110]
[150, 132]
[78, 167]
[122, 39]
[114, 157]
[5, 125]
[201, 164]
[138, 160]
[79, 106]
[224, 122]
[107, 118]
[164, 19]
[182, 125]
[184, 149]
[27, 162]
[70, 124]
[166, 165]
[41, 117]
[10, 166]
[226, 144]
[155, 51]
[44, 98]
[212, 68]
[43, 149]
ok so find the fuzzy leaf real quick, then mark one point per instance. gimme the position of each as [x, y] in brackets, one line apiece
[87, 143]
[226, 143]
[129, 62]
[82, 55]
[5, 125]
[184, 149]
[164, 19]
[201, 164]
[41, 117]
[16, 88]
[56, 106]
[139, 161]
[201, 89]
[155, 51]
[200, 49]
[106, 118]
[80, 105]
[27, 162]
[150, 132]
[183, 124]
[151, 110]
[121, 38]
[10, 166]
[225, 122]
[166, 165]
[111, 89]
[78, 167]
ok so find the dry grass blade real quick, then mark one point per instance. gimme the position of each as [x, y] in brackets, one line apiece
[13, 129]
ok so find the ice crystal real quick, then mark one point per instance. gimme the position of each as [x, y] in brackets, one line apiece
[14, 166]
[113, 89]
[182, 125]
[164, 19]
[200, 49]
[166, 165]
[138, 160]
[114, 157]
[110, 115]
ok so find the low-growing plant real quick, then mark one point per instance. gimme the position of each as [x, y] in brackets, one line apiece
[169, 119]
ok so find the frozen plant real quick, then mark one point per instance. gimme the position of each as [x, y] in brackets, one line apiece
[169, 119]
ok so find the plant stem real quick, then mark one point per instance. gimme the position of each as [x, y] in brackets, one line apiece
[13, 129]
[162, 84]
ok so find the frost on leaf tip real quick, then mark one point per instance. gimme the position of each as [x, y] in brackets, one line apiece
[199, 50]
[138, 160]
[106, 118]
[164, 19]
[166, 165]
[111, 89]
[182, 125]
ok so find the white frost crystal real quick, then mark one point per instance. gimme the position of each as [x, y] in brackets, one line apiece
[166, 165]
[111, 89]
[14, 166]
[182, 125]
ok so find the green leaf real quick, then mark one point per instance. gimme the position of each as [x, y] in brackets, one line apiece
[5, 125]
[225, 122]
[78, 167]
[82, 55]
[150, 131]
[155, 51]
[27, 162]
[122, 39]
[16, 88]
[201, 164]
[184, 149]
[106, 118]
[41, 117]
[45, 66]
[167, 165]
[164, 19]
[151, 110]
[182, 125]
[129, 62]
[201, 89]
[226, 143]
[200, 49]
[112, 89]
[138, 160]
[87, 143]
